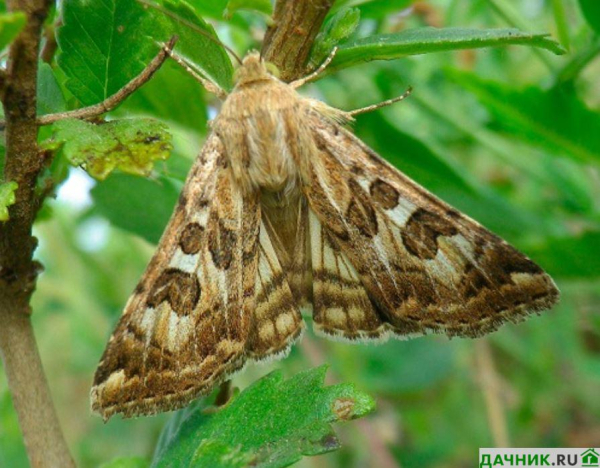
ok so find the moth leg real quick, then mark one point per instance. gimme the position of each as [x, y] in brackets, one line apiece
[373, 107]
[302, 81]
[208, 85]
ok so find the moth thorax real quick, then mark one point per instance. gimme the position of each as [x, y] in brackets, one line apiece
[271, 163]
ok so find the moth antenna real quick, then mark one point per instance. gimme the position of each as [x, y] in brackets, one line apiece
[192, 26]
[381, 104]
[316, 73]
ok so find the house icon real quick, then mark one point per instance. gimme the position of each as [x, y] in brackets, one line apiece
[590, 458]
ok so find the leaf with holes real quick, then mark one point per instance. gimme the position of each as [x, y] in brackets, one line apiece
[272, 423]
[131, 146]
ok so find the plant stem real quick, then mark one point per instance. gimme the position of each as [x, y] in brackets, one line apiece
[289, 40]
[562, 28]
[579, 61]
[43, 438]
[490, 386]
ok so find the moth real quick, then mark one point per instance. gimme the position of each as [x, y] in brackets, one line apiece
[286, 210]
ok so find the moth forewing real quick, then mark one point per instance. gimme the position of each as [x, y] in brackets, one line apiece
[284, 207]
[186, 326]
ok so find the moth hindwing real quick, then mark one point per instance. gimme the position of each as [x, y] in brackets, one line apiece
[286, 209]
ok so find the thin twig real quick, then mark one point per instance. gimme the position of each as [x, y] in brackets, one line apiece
[490, 386]
[50, 45]
[113, 101]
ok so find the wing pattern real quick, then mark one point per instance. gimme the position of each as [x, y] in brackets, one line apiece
[425, 266]
[186, 326]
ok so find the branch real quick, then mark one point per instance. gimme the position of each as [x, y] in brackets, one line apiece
[112, 101]
[43, 438]
[289, 40]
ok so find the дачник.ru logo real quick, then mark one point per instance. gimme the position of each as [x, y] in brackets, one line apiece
[539, 457]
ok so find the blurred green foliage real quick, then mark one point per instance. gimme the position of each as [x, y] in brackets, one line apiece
[10, 25]
[508, 135]
[7, 198]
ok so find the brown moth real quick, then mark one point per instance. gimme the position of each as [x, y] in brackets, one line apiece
[283, 210]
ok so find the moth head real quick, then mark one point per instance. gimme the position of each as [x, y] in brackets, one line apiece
[254, 68]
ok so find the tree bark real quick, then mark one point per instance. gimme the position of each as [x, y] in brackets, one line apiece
[43, 438]
[289, 40]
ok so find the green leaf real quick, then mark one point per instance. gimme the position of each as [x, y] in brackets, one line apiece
[10, 25]
[555, 120]
[210, 58]
[380, 9]
[375, 9]
[337, 29]
[262, 6]
[106, 43]
[209, 8]
[131, 146]
[135, 462]
[427, 40]
[103, 45]
[271, 424]
[50, 98]
[591, 13]
[140, 206]
[7, 198]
